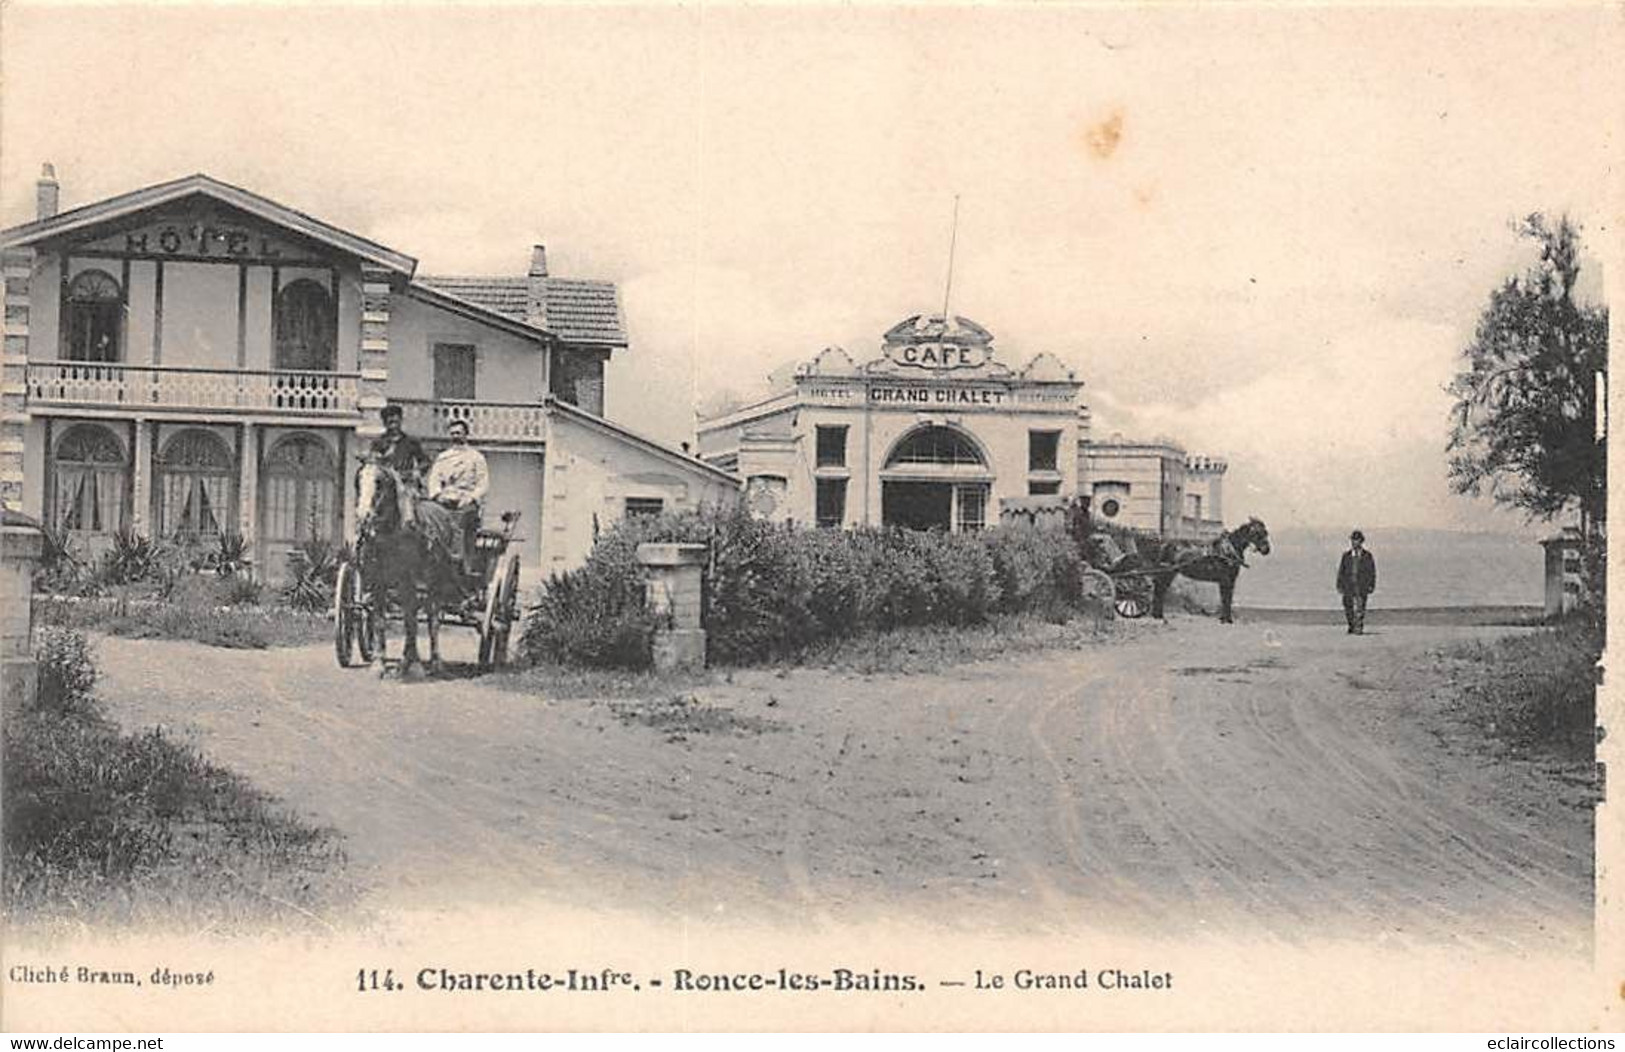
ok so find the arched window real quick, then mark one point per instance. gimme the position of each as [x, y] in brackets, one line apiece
[92, 474]
[196, 474]
[935, 445]
[95, 319]
[301, 490]
[305, 327]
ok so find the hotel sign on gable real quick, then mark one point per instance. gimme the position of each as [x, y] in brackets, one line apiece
[196, 240]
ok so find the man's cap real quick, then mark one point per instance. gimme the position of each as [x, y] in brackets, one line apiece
[390, 411]
[1356, 536]
[461, 425]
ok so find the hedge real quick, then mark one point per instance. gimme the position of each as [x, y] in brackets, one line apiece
[773, 590]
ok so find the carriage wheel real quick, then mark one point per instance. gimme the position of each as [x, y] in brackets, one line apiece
[349, 627]
[501, 611]
[1134, 595]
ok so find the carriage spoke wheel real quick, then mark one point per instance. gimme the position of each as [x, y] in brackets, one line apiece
[352, 622]
[1133, 596]
[501, 611]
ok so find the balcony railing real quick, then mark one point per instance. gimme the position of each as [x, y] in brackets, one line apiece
[145, 387]
[487, 421]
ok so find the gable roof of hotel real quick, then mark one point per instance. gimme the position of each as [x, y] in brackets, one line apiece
[200, 184]
[575, 310]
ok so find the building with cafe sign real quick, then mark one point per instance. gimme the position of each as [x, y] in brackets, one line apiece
[193, 359]
[938, 432]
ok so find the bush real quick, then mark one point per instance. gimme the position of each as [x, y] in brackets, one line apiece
[313, 567]
[66, 666]
[1538, 689]
[773, 591]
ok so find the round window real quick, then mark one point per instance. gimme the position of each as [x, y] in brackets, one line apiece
[1109, 507]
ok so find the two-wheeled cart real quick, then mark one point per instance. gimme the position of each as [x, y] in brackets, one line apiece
[491, 609]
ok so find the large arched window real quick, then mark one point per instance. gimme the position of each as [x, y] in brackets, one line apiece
[95, 320]
[196, 475]
[91, 475]
[301, 490]
[935, 478]
[935, 445]
[305, 327]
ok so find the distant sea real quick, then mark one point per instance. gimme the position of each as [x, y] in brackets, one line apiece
[1428, 568]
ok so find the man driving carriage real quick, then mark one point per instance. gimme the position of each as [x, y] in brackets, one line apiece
[458, 481]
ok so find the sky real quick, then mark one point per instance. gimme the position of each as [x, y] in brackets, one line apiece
[1265, 233]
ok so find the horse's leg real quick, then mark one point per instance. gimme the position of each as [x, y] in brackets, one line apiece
[380, 607]
[1159, 591]
[432, 616]
[1227, 591]
[409, 617]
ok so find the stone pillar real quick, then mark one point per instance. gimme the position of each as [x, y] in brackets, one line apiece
[673, 573]
[22, 546]
[17, 266]
[373, 360]
[141, 467]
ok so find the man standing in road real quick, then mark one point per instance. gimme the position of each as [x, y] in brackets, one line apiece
[1356, 580]
[458, 481]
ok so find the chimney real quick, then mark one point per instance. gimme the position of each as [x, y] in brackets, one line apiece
[47, 192]
[538, 261]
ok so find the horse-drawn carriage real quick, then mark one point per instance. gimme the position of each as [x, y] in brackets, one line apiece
[1136, 574]
[396, 570]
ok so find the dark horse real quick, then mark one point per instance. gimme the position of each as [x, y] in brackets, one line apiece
[1219, 560]
[398, 557]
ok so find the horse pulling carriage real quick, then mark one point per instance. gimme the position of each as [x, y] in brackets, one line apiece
[1138, 577]
[397, 558]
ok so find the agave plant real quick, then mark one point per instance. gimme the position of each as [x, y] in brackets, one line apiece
[312, 568]
[231, 554]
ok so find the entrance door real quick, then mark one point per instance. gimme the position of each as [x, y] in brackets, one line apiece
[917, 505]
[300, 499]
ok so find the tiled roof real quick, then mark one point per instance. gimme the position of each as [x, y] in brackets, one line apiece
[580, 311]
[504, 295]
[575, 311]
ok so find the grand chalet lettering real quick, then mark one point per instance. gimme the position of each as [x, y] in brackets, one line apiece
[937, 396]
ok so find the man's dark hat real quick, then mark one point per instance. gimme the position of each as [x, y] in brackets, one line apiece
[390, 411]
[455, 422]
[1356, 536]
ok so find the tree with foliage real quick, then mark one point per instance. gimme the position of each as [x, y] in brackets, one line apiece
[1525, 421]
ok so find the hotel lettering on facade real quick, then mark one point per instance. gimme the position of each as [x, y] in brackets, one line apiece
[936, 432]
[192, 359]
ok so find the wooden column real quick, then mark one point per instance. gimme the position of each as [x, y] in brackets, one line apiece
[248, 484]
[18, 269]
[142, 513]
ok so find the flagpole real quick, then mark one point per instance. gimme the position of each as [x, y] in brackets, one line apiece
[953, 240]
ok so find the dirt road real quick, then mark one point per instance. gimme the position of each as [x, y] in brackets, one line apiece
[1271, 779]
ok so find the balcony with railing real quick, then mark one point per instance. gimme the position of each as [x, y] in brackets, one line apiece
[67, 386]
[496, 423]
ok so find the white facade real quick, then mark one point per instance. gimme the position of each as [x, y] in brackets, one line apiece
[193, 359]
[936, 432]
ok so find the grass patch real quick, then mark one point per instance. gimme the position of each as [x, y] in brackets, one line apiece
[1535, 691]
[110, 829]
[681, 715]
[244, 627]
[920, 648]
